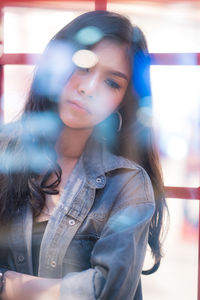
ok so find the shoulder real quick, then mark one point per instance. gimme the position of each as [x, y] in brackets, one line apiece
[131, 173]
[131, 194]
[116, 174]
[133, 182]
[135, 199]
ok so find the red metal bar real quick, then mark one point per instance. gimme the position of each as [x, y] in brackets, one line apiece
[175, 59]
[49, 4]
[156, 58]
[100, 4]
[41, 2]
[36, 2]
[19, 58]
[182, 192]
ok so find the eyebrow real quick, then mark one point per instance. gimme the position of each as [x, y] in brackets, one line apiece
[118, 74]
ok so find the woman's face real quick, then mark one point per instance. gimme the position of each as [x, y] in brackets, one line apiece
[92, 94]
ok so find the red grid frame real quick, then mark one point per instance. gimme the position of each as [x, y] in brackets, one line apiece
[156, 59]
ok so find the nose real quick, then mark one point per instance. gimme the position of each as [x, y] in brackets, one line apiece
[88, 85]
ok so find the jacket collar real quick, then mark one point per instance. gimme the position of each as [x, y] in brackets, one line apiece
[98, 160]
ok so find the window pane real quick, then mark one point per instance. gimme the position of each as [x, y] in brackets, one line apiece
[169, 27]
[176, 100]
[177, 276]
[176, 97]
[17, 81]
[174, 27]
[28, 30]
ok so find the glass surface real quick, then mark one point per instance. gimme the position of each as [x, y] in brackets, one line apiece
[28, 30]
[176, 98]
[17, 81]
[168, 27]
[178, 273]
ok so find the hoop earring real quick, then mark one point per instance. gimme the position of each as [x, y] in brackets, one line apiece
[120, 121]
[108, 129]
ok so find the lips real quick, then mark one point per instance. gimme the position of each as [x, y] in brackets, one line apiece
[77, 105]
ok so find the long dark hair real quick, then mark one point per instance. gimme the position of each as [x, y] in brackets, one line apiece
[24, 179]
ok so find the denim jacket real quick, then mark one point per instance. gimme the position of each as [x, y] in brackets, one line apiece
[97, 236]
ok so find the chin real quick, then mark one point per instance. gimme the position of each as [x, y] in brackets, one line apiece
[76, 125]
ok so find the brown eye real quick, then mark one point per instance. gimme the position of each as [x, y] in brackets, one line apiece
[111, 83]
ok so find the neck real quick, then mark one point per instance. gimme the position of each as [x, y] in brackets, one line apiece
[71, 142]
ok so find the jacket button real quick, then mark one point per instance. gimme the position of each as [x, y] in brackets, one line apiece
[71, 222]
[53, 264]
[98, 180]
[20, 258]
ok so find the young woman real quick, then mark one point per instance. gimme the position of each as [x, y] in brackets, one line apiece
[81, 189]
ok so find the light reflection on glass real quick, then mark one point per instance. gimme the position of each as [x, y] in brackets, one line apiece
[89, 35]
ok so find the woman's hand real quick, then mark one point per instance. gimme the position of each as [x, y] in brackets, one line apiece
[26, 287]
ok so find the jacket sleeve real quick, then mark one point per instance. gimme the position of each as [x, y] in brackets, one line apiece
[117, 257]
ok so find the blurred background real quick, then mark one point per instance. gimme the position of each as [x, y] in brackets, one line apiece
[170, 27]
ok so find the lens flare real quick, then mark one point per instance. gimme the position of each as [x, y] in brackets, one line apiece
[89, 35]
[30, 157]
[129, 217]
[145, 101]
[144, 116]
[85, 59]
[54, 69]
[43, 123]
[29, 143]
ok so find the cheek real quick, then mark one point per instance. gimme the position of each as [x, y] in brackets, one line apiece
[69, 86]
[105, 105]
